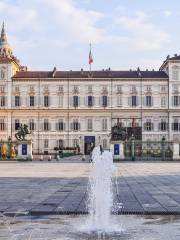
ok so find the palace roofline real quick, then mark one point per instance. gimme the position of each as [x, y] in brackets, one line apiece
[93, 74]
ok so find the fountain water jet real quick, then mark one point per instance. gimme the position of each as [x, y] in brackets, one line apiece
[100, 191]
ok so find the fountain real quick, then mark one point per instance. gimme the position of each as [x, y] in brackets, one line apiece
[100, 191]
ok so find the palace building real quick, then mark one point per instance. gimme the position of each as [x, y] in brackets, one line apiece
[80, 108]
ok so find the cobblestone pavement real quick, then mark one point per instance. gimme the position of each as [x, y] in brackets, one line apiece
[59, 187]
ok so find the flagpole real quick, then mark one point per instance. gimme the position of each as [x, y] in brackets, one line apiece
[90, 61]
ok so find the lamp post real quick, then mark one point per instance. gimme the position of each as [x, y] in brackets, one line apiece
[132, 148]
[163, 147]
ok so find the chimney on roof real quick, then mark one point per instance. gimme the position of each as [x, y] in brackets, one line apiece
[168, 56]
[54, 72]
[82, 71]
[109, 69]
[147, 70]
[175, 55]
[153, 69]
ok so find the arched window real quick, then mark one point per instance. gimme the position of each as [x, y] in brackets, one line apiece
[175, 73]
[3, 73]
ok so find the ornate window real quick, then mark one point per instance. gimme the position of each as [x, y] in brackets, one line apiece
[46, 143]
[104, 124]
[75, 101]
[149, 101]
[17, 124]
[31, 125]
[134, 101]
[175, 73]
[31, 101]
[75, 125]
[90, 101]
[2, 101]
[60, 143]
[90, 124]
[46, 125]
[104, 101]
[148, 126]
[104, 143]
[119, 100]
[46, 101]
[175, 125]
[3, 73]
[2, 125]
[163, 125]
[176, 101]
[60, 125]
[17, 101]
[163, 101]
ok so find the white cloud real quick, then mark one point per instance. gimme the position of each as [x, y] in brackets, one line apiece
[79, 23]
[167, 13]
[143, 34]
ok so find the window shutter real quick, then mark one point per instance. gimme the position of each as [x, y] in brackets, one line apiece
[79, 101]
[100, 101]
[64, 126]
[137, 101]
[20, 100]
[85, 101]
[28, 101]
[34, 100]
[152, 101]
[178, 100]
[172, 101]
[130, 101]
[93, 100]
[60, 100]
[5, 99]
[108, 101]
[79, 126]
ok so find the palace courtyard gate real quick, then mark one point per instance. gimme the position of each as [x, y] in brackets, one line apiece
[146, 150]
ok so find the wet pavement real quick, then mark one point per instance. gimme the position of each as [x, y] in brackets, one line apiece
[61, 188]
[77, 228]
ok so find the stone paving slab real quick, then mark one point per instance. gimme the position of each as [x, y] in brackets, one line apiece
[141, 188]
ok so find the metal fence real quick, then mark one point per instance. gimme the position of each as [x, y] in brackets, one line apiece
[146, 150]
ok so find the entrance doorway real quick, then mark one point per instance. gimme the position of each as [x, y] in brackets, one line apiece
[89, 144]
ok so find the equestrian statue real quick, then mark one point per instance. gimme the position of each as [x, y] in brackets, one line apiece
[22, 132]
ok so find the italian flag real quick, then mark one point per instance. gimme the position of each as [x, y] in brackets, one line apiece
[90, 57]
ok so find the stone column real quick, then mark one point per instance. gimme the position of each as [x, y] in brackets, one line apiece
[176, 151]
[121, 146]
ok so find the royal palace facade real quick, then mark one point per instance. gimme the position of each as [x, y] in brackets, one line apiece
[70, 108]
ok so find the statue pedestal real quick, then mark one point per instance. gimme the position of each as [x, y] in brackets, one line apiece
[117, 149]
[176, 152]
[25, 150]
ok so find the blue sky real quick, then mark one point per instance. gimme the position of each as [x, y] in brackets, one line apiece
[125, 34]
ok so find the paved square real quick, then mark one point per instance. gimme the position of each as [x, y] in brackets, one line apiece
[51, 187]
